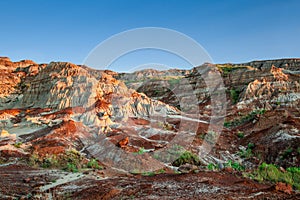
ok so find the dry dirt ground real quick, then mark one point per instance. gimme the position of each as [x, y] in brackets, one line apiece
[21, 182]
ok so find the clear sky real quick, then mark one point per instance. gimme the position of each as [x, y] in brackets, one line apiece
[230, 31]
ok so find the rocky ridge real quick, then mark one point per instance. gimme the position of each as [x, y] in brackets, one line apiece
[61, 115]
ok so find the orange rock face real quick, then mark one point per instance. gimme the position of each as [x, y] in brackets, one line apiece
[284, 187]
[123, 143]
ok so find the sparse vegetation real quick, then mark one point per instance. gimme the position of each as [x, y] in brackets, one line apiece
[234, 95]
[244, 119]
[1, 161]
[148, 173]
[228, 68]
[172, 153]
[34, 160]
[18, 144]
[71, 167]
[250, 145]
[211, 137]
[248, 152]
[93, 163]
[230, 164]
[235, 165]
[212, 167]
[165, 125]
[202, 136]
[173, 82]
[161, 171]
[287, 153]
[270, 172]
[71, 161]
[141, 151]
[186, 157]
[157, 92]
[240, 134]
[135, 171]
[50, 162]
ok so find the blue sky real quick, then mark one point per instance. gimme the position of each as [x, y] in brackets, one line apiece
[230, 31]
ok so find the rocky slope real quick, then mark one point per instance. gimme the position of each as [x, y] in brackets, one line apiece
[256, 92]
[114, 127]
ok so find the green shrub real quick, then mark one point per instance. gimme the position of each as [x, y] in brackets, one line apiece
[246, 153]
[71, 167]
[18, 144]
[235, 165]
[187, 157]
[287, 153]
[72, 158]
[141, 151]
[247, 118]
[49, 162]
[148, 173]
[250, 146]
[227, 68]
[234, 95]
[202, 136]
[293, 169]
[270, 172]
[227, 124]
[211, 166]
[173, 82]
[94, 164]
[240, 134]
[161, 171]
[34, 160]
[71, 161]
[295, 174]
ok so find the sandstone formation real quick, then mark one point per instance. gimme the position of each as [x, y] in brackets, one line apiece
[107, 124]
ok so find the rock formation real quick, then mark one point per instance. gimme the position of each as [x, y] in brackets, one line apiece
[66, 116]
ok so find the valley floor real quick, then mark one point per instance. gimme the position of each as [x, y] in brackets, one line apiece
[22, 182]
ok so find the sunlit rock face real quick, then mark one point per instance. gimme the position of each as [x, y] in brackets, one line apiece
[60, 105]
[270, 82]
[262, 102]
[139, 123]
[61, 85]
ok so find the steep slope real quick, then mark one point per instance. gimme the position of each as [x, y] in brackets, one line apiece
[256, 92]
[61, 105]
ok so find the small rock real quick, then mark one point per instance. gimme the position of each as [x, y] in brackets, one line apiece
[124, 142]
[282, 169]
[187, 168]
[4, 133]
[220, 165]
[284, 187]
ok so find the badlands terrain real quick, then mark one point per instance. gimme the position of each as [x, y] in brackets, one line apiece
[217, 131]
